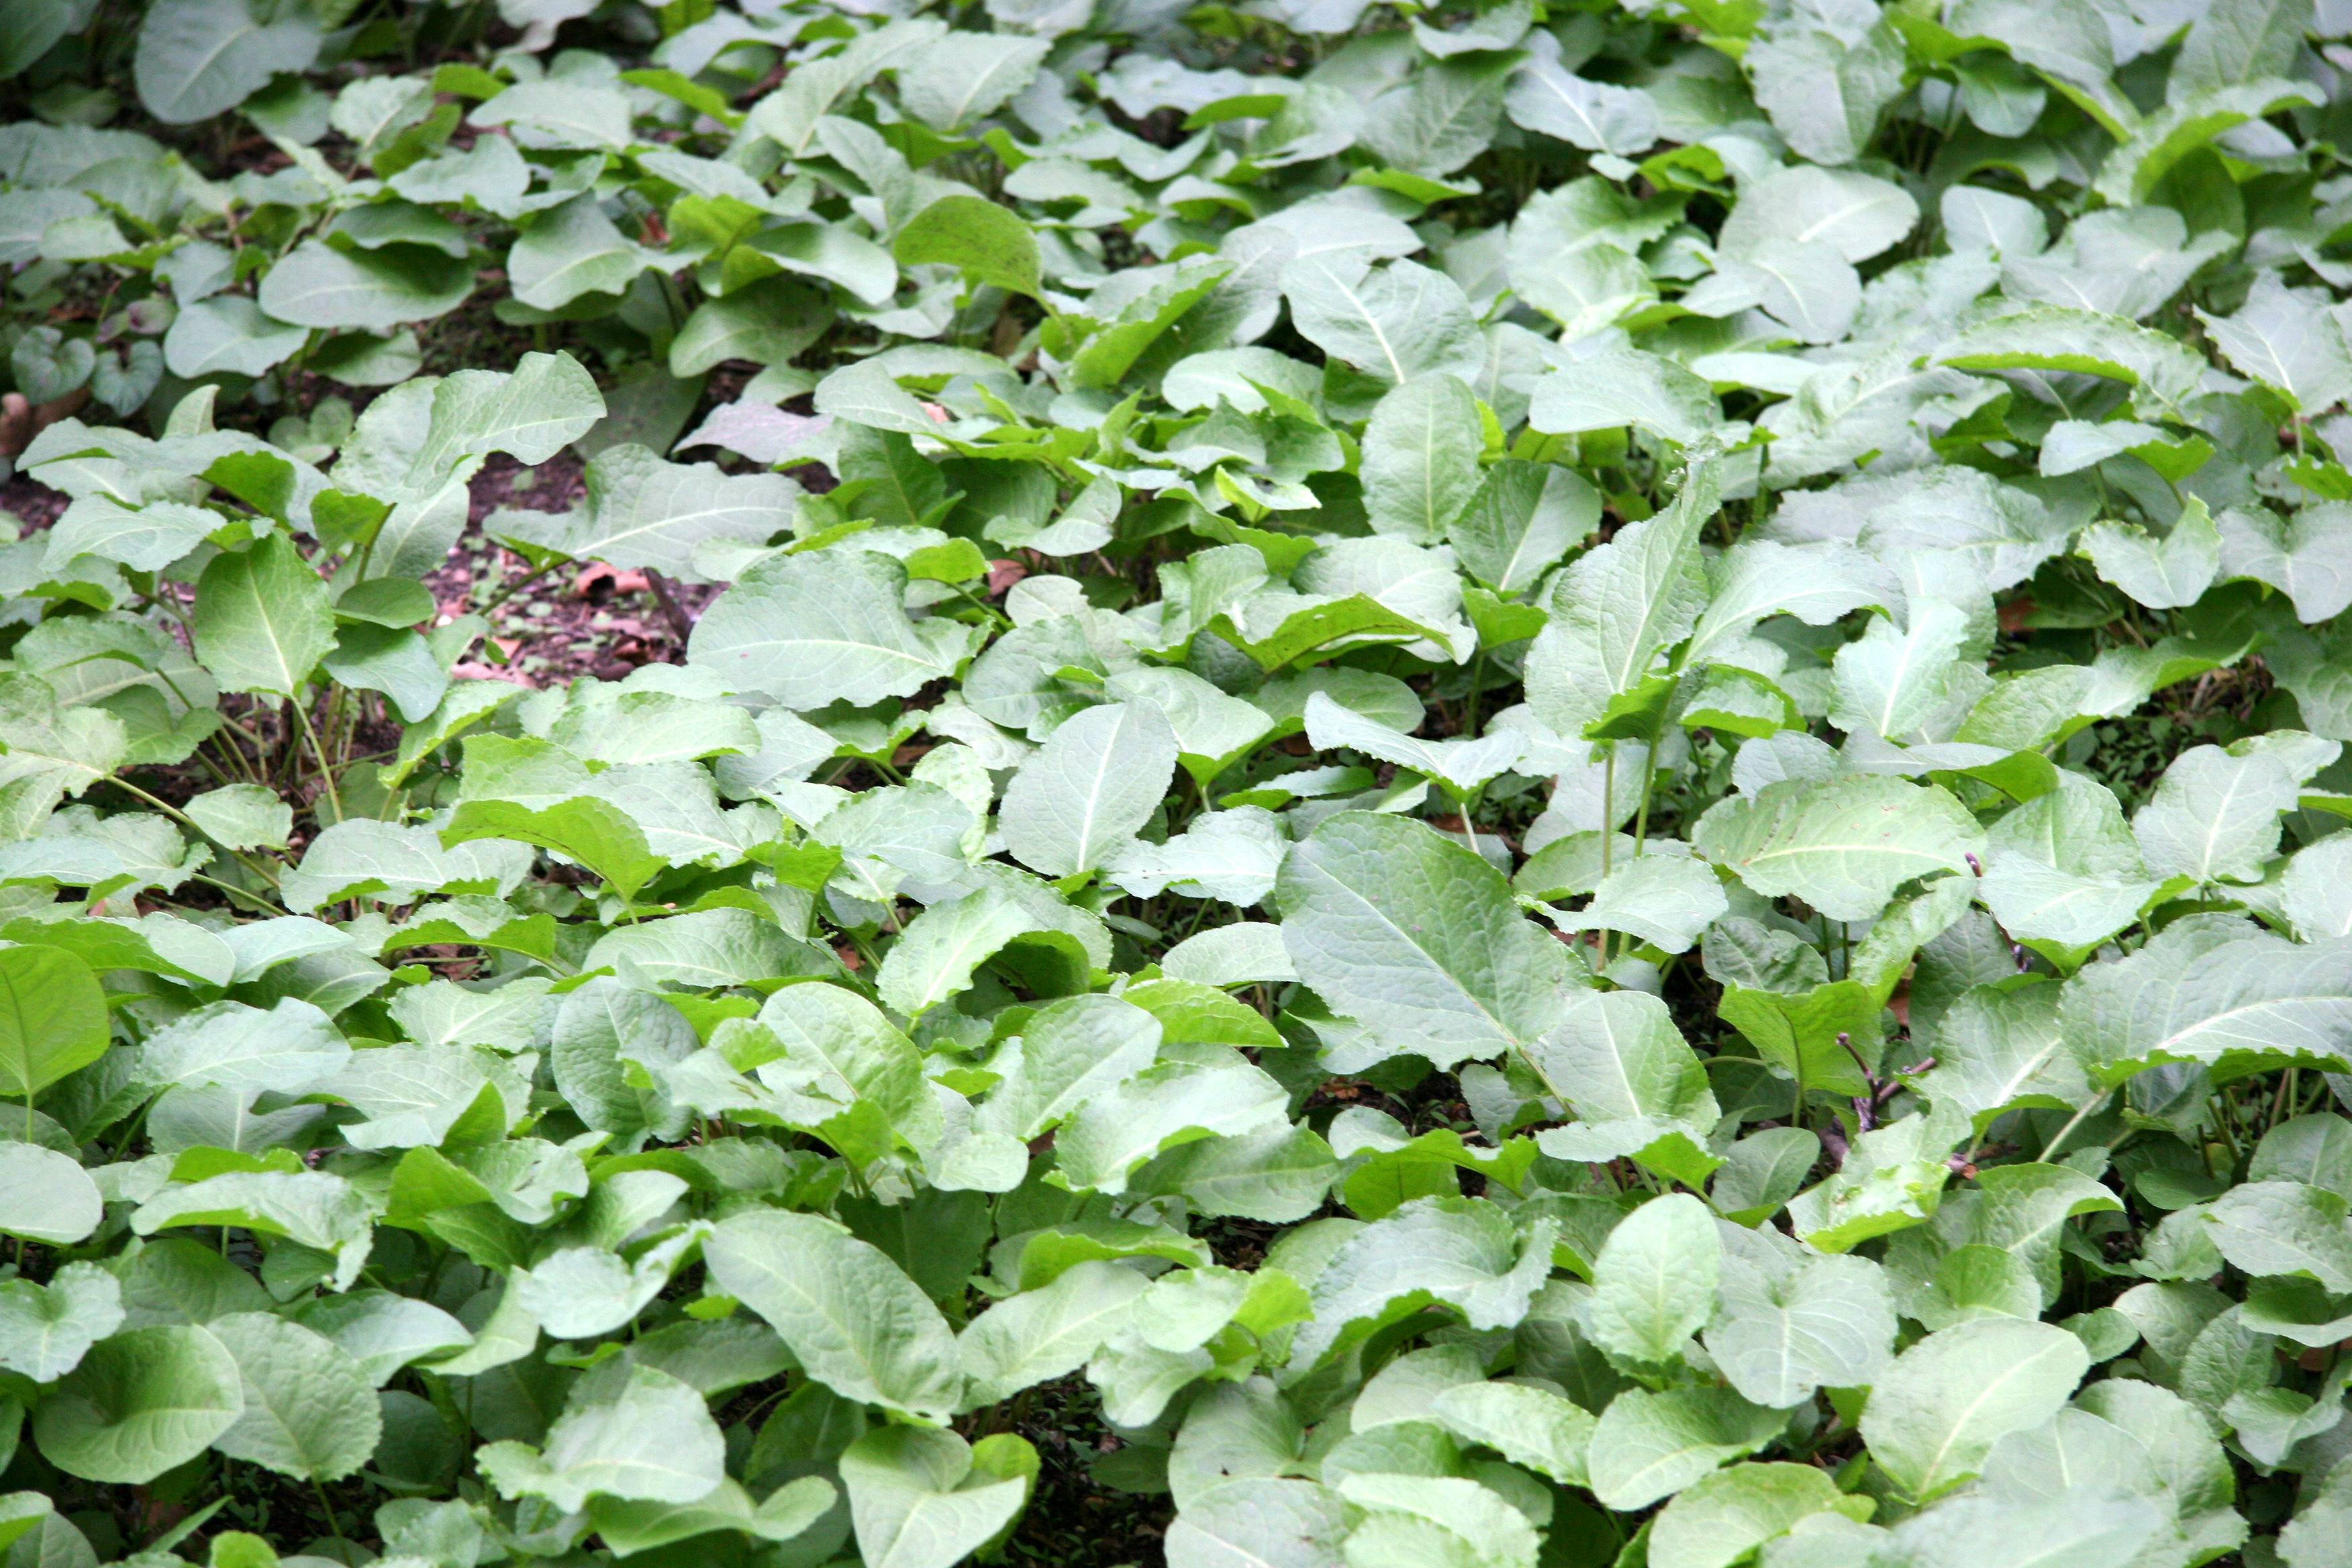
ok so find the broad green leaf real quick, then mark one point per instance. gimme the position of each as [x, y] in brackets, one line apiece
[1418, 939]
[768, 321]
[2285, 1228]
[2286, 340]
[46, 1195]
[950, 81]
[823, 627]
[1463, 1253]
[1038, 1335]
[1526, 1424]
[1635, 1086]
[2214, 815]
[1421, 458]
[1618, 388]
[1845, 844]
[1650, 1446]
[313, 1208]
[1788, 1323]
[1824, 85]
[926, 1499]
[52, 1019]
[987, 243]
[644, 513]
[263, 619]
[141, 1403]
[1855, 214]
[1891, 682]
[243, 816]
[198, 58]
[45, 1330]
[1998, 1048]
[2134, 171]
[1938, 1411]
[854, 1319]
[544, 405]
[1593, 115]
[570, 251]
[1520, 521]
[1395, 323]
[626, 1431]
[1654, 1282]
[1283, 1523]
[2169, 572]
[1084, 793]
[1720, 1520]
[316, 284]
[2159, 370]
[1617, 609]
[2301, 557]
[1406, 1515]
[309, 1412]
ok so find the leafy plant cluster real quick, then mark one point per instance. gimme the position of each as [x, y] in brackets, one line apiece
[1547, 785]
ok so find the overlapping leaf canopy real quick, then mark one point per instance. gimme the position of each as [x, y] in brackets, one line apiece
[1536, 785]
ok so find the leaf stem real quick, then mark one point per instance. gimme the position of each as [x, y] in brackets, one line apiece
[326, 770]
[2050, 1150]
[182, 818]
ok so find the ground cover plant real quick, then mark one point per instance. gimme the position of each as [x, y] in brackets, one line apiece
[1511, 786]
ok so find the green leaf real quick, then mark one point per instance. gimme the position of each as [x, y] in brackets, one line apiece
[1521, 519]
[851, 1316]
[228, 334]
[1593, 115]
[140, 1404]
[1463, 1253]
[1396, 323]
[828, 627]
[46, 1195]
[642, 513]
[2134, 171]
[263, 619]
[768, 321]
[1651, 1445]
[1935, 1413]
[314, 1208]
[309, 1412]
[198, 58]
[572, 250]
[1418, 939]
[45, 1330]
[1042, 1334]
[316, 284]
[1286, 1523]
[542, 406]
[987, 243]
[1843, 844]
[1729, 1513]
[2284, 1228]
[1654, 1282]
[2214, 815]
[627, 1431]
[2170, 572]
[1421, 458]
[1618, 388]
[1088, 789]
[52, 1018]
[1789, 1324]
[1527, 1425]
[926, 1500]
[2161, 371]
[243, 816]
[1635, 1086]
[1618, 608]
